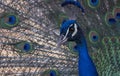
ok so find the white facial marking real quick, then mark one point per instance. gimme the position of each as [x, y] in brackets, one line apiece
[71, 25]
[75, 27]
[66, 34]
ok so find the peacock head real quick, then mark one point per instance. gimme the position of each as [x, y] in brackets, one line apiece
[70, 31]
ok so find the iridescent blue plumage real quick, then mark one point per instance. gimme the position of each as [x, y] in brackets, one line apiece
[52, 73]
[74, 2]
[118, 15]
[65, 25]
[11, 20]
[85, 64]
[95, 38]
[112, 21]
[27, 47]
[94, 2]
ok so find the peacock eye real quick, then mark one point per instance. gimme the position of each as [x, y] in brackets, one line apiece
[71, 29]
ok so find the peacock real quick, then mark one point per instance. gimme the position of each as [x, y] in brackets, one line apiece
[70, 31]
[29, 37]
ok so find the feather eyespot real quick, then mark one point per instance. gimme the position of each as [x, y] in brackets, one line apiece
[24, 47]
[9, 20]
[93, 36]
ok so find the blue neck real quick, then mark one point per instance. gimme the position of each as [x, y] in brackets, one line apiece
[86, 66]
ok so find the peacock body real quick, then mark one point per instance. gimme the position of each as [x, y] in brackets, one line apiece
[29, 30]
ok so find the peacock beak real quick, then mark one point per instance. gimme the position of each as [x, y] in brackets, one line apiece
[62, 39]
